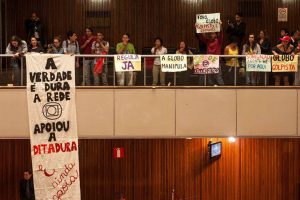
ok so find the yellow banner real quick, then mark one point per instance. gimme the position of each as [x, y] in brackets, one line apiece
[285, 63]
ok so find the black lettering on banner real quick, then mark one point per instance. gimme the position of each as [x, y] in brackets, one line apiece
[32, 88]
[50, 64]
[36, 98]
[52, 137]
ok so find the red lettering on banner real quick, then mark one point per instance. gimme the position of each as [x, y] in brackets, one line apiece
[65, 180]
[54, 148]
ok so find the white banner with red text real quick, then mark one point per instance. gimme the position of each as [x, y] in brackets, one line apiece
[53, 126]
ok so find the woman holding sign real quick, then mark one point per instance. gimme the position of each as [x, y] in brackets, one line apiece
[251, 48]
[285, 48]
[158, 49]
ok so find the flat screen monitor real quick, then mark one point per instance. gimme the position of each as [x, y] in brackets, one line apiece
[215, 149]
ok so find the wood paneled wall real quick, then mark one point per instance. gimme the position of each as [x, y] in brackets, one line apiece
[173, 20]
[248, 169]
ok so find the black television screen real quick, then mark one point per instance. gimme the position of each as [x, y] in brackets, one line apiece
[215, 149]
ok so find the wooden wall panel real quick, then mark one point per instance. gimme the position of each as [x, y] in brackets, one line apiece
[173, 20]
[248, 169]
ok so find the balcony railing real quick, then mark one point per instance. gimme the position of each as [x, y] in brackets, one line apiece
[144, 77]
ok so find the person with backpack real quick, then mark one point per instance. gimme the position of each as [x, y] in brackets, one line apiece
[71, 46]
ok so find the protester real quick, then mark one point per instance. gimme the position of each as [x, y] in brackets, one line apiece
[297, 52]
[158, 49]
[237, 29]
[283, 32]
[27, 187]
[34, 29]
[285, 48]
[125, 47]
[232, 65]
[71, 46]
[264, 42]
[34, 46]
[251, 48]
[17, 48]
[185, 75]
[88, 63]
[295, 36]
[213, 42]
[56, 47]
[100, 47]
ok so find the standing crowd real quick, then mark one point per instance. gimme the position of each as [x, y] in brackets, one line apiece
[95, 70]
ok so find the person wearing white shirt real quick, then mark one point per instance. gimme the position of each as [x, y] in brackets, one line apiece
[158, 49]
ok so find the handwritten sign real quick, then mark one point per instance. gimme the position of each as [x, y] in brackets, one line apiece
[53, 126]
[285, 63]
[127, 62]
[207, 23]
[258, 63]
[206, 64]
[282, 14]
[173, 63]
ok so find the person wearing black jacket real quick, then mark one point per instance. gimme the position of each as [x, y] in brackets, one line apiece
[26, 186]
[237, 29]
[264, 42]
[34, 29]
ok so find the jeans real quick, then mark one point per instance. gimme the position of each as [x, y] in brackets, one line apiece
[88, 69]
[16, 77]
[125, 78]
[157, 71]
[212, 79]
[253, 78]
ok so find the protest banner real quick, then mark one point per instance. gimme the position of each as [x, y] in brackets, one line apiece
[127, 62]
[53, 126]
[258, 63]
[206, 64]
[282, 14]
[207, 23]
[285, 63]
[173, 63]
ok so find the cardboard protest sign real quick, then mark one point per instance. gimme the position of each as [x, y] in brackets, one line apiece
[206, 64]
[285, 63]
[207, 23]
[173, 63]
[258, 63]
[127, 62]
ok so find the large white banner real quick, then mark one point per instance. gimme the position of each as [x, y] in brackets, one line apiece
[53, 126]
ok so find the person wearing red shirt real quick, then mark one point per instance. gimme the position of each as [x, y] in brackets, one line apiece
[88, 63]
[213, 42]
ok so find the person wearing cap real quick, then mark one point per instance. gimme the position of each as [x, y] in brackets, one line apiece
[284, 48]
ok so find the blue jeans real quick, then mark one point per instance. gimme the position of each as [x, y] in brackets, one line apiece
[16, 77]
[88, 69]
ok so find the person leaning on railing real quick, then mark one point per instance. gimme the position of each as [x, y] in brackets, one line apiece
[285, 48]
[158, 49]
[228, 70]
[17, 48]
[251, 48]
[125, 47]
[56, 47]
[185, 75]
